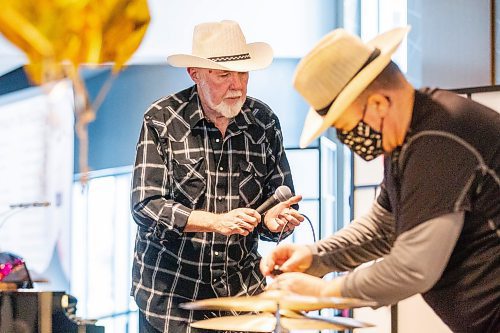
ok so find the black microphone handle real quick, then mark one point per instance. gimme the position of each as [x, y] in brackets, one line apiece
[268, 204]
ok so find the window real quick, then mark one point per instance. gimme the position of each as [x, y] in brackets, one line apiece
[368, 18]
[102, 243]
[380, 16]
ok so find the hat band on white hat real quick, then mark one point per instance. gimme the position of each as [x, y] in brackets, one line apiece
[237, 57]
[376, 52]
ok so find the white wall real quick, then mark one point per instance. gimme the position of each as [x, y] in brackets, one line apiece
[450, 43]
[415, 316]
[290, 26]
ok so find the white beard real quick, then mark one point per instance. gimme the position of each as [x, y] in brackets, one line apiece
[228, 111]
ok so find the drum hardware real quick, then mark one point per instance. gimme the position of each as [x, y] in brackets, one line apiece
[268, 301]
[278, 311]
[280, 322]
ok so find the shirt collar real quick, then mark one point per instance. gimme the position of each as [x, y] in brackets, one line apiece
[423, 109]
[193, 113]
[245, 117]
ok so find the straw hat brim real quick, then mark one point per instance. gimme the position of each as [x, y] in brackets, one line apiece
[261, 56]
[315, 124]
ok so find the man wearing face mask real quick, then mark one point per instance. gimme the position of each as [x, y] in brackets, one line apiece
[207, 157]
[436, 220]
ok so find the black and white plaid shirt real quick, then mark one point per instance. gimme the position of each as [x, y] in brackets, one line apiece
[182, 164]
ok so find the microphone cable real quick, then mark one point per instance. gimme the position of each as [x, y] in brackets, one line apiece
[237, 313]
[310, 224]
[278, 242]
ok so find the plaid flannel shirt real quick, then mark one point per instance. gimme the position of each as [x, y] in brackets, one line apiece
[182, 164]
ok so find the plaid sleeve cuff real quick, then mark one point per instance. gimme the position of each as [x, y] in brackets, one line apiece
[267, 235]
[174, 218]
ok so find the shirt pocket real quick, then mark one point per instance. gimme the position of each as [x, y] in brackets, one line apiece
[189, 181]
[251, 183]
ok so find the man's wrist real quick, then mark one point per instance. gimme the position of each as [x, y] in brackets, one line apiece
[333, 288]
[201, 221]
[212, 220]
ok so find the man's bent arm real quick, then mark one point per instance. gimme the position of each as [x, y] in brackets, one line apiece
[415, 264]
[151, 206]
[364, 239]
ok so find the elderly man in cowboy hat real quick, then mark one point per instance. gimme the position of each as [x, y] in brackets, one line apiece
[206, 158]
[436, 220]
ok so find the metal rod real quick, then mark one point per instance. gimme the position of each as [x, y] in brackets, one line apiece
[278, 328]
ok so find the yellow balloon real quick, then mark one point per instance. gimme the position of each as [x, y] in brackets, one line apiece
[55, 34]
[58, 36]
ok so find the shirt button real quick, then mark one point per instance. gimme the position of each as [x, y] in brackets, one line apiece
[217, 140]
[221, 169]
[214, 280]
[220, 198]
[216, 253]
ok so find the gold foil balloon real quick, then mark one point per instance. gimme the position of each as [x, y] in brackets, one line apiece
[58, 36]
[53, 33]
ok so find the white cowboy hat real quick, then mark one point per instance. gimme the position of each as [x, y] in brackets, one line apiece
[222, 45]
[336, 71]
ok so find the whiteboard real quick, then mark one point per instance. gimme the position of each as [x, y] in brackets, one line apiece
[36, 165]
[490, 99]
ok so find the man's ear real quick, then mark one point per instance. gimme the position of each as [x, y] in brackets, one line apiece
[194, 74]
[379, 103]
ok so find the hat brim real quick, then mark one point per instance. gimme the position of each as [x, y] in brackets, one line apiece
[261, 56]
[315, 124]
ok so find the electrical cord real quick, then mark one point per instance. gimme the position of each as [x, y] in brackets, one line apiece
[310, 224]
[237, 313]
[8, 214]
[277, 243]
[17, 208]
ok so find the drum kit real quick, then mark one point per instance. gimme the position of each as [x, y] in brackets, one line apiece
[277, 311]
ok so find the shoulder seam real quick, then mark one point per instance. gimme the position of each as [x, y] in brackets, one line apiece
[483, 167]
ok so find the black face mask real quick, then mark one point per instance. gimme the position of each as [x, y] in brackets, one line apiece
[362, 140]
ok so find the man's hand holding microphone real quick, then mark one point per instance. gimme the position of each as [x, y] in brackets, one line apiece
[277, 209]
[279, 214]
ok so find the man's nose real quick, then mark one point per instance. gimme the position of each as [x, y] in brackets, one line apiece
[236, 81]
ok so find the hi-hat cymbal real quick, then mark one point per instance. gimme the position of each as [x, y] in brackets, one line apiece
[266, 322]
[268, 302]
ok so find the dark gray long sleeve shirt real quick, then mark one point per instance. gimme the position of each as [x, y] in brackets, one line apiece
[412, 263]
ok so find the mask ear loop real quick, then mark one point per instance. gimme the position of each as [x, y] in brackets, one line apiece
[364, 113]
[382, 119]
[381, 132]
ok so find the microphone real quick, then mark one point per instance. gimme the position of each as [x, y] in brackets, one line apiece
[281, 194]
[30, 204]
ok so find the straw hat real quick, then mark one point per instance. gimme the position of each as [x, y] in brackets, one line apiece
[222, 45]
[336, 71]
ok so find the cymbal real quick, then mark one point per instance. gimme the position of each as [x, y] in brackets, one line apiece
[268, 302]
[266, 322]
